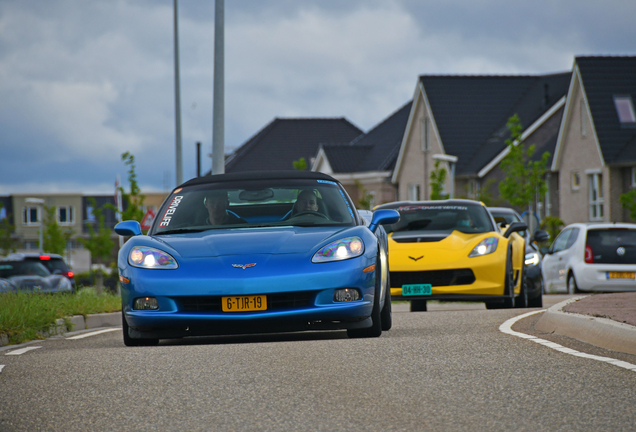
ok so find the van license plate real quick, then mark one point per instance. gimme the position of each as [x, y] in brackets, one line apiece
[620, 275]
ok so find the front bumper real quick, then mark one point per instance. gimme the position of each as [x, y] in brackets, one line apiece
[300, 297]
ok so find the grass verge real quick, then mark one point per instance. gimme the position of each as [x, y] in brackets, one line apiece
[25, 316]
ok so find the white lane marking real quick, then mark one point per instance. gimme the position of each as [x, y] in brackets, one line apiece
[22, 350]
[1, 367]
[506, 327]
[85, 335]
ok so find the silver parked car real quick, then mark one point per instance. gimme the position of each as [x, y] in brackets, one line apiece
[31, 276]
[592, 257]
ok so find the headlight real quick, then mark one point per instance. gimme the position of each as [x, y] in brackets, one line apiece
[532, 259]
[147, 257]
[485, 247]
[346, 248]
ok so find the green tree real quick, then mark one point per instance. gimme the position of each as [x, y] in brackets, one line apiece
[438, 177]
[7, 242]
[300, 164]
[525, 179]
[553, 225]
[134, 200]
[55, 239]
[628, 201]
[364, 203]
[98, 243]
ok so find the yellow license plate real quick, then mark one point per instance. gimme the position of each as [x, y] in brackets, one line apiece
[244, 303]
[620, 275]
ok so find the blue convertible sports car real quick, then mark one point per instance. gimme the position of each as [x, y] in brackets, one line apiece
[255, 252]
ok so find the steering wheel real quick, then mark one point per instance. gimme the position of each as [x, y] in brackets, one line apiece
[310, 213]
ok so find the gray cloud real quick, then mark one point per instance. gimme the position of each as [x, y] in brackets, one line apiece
[82, 82]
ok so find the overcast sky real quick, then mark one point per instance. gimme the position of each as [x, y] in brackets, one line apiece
[82, 82]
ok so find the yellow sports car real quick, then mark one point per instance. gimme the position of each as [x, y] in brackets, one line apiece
[454, 250]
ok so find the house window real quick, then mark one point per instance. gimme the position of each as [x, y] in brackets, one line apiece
[30, 215]
[425, 143]
[625, 109]
[414, 192]
[576, 180]
[583, 111]
[473, 188]
[633, 176]
[66, 215]
[596, 197]
[3, 213]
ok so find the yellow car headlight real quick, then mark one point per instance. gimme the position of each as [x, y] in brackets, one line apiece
[485, 247]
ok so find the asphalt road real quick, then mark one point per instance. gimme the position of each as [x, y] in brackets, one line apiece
[446, 369]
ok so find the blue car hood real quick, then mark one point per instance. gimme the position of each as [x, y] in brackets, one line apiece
[248, 241]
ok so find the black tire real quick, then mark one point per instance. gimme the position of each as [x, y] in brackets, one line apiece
[509, 286]
[376, 316]
[386, 316]
[536, 302]
[573, 288]
[128, 341]
[509, 301]
[418, 305]
[522, 300]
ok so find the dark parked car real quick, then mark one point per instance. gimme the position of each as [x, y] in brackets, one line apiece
[532, 276]
[54, 263]
[32, 276]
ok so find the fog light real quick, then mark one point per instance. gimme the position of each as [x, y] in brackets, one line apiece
[146, 303]
[346, 294]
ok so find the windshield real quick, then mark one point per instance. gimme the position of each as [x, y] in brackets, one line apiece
[442, 219]
[506, 218]
[22, 268]
[247, 204]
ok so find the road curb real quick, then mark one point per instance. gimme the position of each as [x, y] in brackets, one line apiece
[601, 332]
[76, 323]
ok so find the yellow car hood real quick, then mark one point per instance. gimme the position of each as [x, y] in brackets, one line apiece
[419, 249]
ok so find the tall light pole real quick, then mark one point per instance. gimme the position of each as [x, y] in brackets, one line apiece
[177, 94]
[218, 117]
[40, 203]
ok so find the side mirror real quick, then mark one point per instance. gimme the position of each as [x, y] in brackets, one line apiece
[515, 227]
[383, 216]
[540, 236]
[128, 228]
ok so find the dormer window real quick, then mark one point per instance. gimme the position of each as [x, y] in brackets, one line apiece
[625, 109]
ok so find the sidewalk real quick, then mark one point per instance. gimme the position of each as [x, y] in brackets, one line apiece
[604, 320]
[78, 323]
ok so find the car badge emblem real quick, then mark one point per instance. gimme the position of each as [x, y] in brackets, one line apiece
[416, 259]
[620, 251]
[243, 266]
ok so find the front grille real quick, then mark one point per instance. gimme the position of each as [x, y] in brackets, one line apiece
[433, 277]
[279, 301]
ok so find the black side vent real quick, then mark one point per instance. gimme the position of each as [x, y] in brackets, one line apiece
[420, 238]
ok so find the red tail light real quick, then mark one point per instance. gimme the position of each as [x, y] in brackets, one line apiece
[45, 257]
[70, 274]
[589, 256]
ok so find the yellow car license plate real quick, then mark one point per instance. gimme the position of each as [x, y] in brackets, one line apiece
[417, 289]
[621, 275]
[244, 303]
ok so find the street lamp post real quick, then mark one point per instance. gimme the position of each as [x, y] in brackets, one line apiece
[40, 203]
